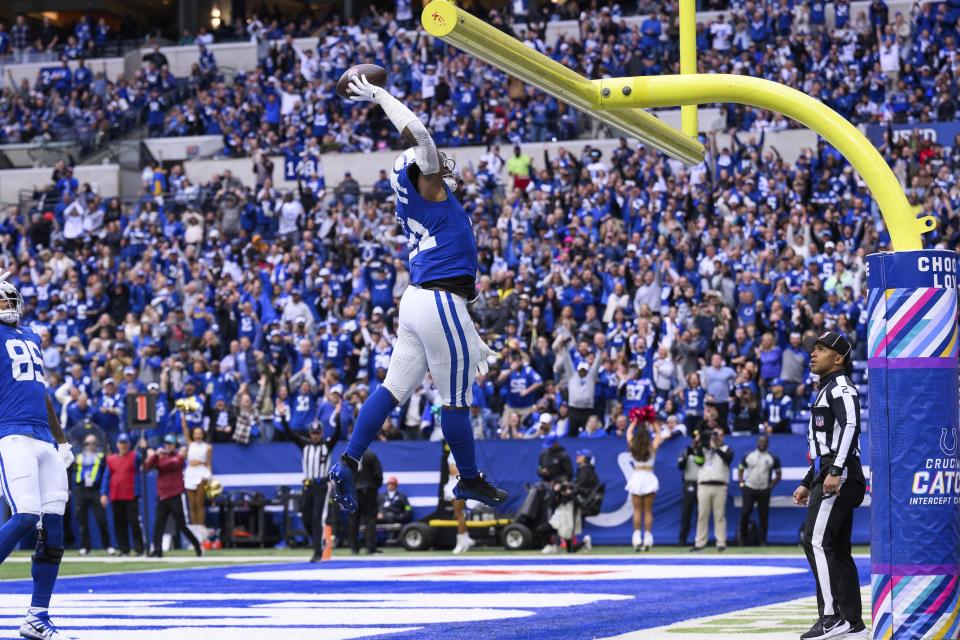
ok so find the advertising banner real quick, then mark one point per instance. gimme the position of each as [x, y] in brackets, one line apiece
[915, 514]
[512, 465]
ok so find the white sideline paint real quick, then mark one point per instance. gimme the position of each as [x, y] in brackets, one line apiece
[518, 573]
[764, 617]
[301, 616]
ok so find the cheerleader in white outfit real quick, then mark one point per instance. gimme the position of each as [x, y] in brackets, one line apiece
[643, 440]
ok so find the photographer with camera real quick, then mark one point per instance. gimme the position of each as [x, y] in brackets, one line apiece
[712, 487]
[554, 463]
[569, 501]
[689, 463]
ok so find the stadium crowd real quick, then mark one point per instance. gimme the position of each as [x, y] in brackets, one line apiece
[645, 282]
[871, 68]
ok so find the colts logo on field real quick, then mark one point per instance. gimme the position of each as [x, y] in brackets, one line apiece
[818, 421]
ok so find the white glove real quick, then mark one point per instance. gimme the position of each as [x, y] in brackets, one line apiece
[362, 91]
[66, 453]
[4, 276]
[485, 352]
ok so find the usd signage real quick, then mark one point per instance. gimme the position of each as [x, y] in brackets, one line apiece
[939, 132]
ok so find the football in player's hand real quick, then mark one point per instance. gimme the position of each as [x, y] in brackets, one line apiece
[376, 75]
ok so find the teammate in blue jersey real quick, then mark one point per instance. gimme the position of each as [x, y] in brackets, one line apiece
[34, 456]
[435, 331]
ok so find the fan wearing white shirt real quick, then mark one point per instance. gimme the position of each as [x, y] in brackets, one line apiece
[291, 213]
[73, 216]
[721, 32]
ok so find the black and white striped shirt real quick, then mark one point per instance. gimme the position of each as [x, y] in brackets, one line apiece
[315, 460]
[834, 429]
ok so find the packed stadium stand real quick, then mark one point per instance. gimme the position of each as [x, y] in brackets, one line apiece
[251, 290]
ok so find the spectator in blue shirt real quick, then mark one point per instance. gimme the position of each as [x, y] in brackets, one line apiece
[522, 386]
[303, 407]
[777, 409]
[694, 398]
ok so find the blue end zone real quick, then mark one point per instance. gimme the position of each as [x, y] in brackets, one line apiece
[549, 598]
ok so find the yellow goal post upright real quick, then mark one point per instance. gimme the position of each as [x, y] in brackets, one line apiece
[619, 102]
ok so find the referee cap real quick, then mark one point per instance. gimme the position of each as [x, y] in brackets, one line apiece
[835, 342]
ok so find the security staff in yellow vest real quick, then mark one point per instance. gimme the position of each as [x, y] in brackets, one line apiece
[87, 477]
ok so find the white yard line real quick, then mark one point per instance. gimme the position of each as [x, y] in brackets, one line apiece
[780, 621]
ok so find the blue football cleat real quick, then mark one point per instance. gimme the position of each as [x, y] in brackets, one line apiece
[480, 490]
[344, 491]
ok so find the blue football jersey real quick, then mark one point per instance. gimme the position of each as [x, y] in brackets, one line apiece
[638, 392]
[440, 234]
[23, 393]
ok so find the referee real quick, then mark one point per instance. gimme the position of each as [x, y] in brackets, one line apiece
[833, 487]
[315, 454]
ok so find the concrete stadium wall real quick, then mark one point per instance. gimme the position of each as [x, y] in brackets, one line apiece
[233, 55]
[185, 148]
[104, 177]
[238, 56]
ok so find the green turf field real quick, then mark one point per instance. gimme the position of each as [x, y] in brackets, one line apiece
[18, 565]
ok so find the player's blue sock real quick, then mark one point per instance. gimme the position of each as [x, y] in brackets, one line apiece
[369, 421]
[46, 561]
[458, 432]
[14, 530]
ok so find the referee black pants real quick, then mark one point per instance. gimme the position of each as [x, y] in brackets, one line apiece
[311, 510]
[826, 541]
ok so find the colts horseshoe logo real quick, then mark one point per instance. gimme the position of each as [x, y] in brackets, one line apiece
[945, 436]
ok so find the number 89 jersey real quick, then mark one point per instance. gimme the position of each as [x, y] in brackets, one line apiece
[23, 402]
[440, 234]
